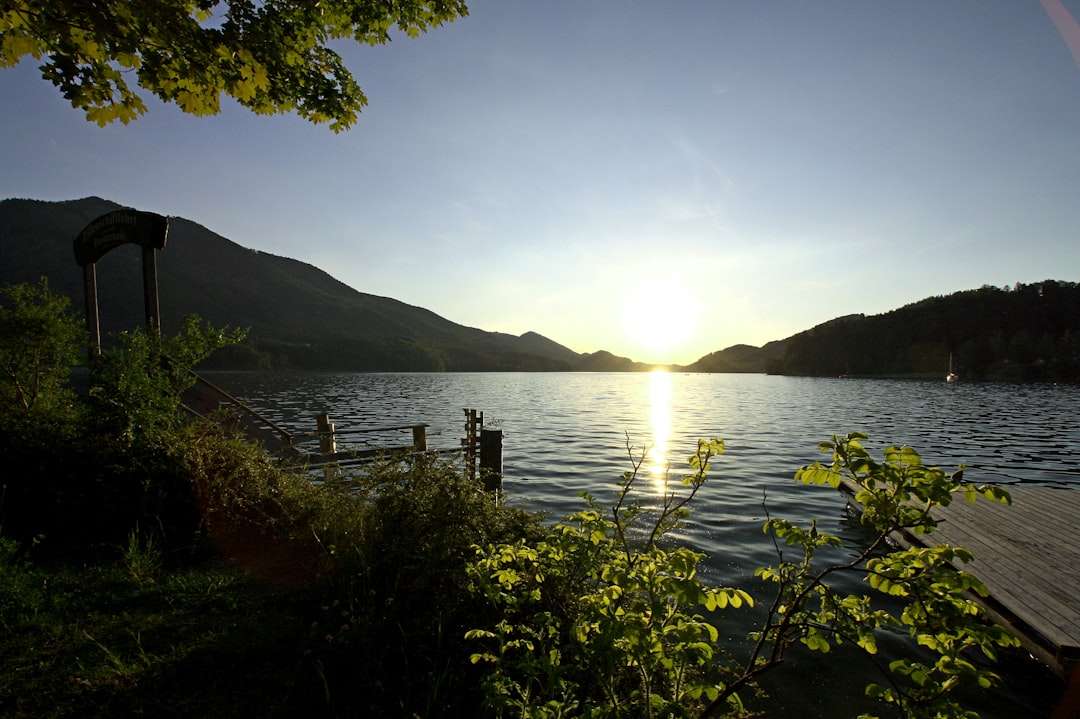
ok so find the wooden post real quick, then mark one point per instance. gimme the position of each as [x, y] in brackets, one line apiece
[150, 291]
[419, 438]
[93, 321]
[470, 443]
[327, 444]
[1068, 706]
[491, 458]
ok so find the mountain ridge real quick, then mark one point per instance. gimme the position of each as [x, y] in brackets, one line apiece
[298, 314]
[302, 317]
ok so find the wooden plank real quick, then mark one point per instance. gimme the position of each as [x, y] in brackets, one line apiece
[1035, 533]
[1026, 570]
[1052, 502]
[362, 430]
[1017, 538]
[1043, 603]
[1027, 555]
[1017, 532]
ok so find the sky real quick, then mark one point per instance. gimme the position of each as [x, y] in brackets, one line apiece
[660, 180]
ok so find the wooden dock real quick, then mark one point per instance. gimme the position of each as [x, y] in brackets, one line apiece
[481, 448]
[1028, 556]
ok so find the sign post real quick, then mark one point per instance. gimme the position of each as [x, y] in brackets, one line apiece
[111, 230]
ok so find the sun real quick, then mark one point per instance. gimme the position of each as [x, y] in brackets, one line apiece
[659, 315]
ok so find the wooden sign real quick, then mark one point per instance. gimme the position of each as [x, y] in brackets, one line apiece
[121, 227]
[111, 230]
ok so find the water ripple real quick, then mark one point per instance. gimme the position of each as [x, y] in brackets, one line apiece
[566, 434]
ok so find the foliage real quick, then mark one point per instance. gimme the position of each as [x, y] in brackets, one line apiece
[399, 605]
[40, 342]
[136, 387]
[83, 473]
[598, 619]
[897, 494]
[271, 57]
[22, 593]
[592, 623]
[273, 521]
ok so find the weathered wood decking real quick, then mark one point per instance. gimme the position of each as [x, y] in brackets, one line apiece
[1028, 556]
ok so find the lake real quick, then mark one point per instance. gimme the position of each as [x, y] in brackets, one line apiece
[566, 433]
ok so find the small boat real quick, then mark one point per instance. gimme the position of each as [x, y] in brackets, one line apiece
[951, 377]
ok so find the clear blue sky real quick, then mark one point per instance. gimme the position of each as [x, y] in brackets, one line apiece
[723, 172]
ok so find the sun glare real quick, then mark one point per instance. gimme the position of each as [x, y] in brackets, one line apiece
[659, 316]
[660, 424]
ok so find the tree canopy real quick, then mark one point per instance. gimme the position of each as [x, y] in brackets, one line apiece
[272, 56]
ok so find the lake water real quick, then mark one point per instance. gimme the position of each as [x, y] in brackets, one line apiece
[566, 433]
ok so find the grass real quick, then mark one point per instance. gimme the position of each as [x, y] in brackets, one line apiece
[94, 641]
[315, 600]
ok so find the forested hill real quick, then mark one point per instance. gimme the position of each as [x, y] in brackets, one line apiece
[739, 358]
[301, 317]
[298, 315]
[1025, 333]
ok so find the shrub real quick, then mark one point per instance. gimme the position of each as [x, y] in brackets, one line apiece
[81, 475]
[136, 386]
[273, 521]
[600, 619]
[390, 639]
[40, 342]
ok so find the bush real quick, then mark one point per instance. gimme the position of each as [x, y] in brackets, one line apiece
[599, 619]
[136, 386]
[81, 474]
[390, 639]
[40, 341]
[274, 522]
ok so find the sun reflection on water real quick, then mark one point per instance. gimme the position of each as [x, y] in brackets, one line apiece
[660, 424]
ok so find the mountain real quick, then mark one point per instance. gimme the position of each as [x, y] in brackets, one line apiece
[1030, 332]
[298, 315]
[739, 358]
[1025, 333]
[604, 361]
[301, 317]
[541, 346]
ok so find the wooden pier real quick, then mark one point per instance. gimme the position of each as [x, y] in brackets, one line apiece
[326, 448]
[1028, 556]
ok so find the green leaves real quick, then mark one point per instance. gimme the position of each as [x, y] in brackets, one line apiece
[935, 597]
[270, 57]
[817, 474]
[601, 613]
[40, 342]
[600, 603]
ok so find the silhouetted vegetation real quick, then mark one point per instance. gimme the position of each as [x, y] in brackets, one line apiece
[297, 316]
[1024, 333]
[152, 564]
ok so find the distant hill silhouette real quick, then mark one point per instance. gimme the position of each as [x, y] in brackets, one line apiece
[1029, 332]
[739, 358]
[604, 361]
[1024, 333]
[301, 317]
[298, 315]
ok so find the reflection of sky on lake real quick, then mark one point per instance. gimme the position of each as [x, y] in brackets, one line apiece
[660, 426]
